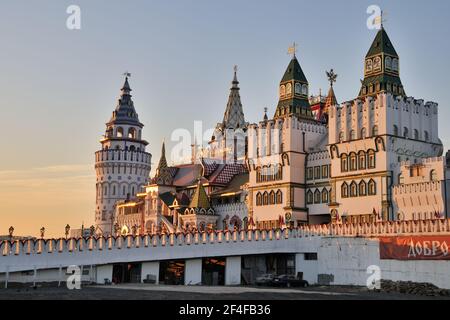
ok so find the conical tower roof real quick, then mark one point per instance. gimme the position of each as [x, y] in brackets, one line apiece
[125, 112]
[381, 44]
[162, 161]
[200, 199]
[294, 72]
[234, 114]
[331, 99]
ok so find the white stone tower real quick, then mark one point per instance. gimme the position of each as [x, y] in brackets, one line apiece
[122, 165]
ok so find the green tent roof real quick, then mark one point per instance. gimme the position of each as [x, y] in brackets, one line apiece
[294, 72]
[381, 44]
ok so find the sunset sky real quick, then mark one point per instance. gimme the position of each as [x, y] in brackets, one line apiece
[58, 86]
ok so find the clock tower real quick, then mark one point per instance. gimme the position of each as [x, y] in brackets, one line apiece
[381, 68]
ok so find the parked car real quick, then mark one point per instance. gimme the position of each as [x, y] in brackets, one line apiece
[265, 279]
[288, 281]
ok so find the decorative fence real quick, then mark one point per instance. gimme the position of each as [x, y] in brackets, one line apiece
[390, 228]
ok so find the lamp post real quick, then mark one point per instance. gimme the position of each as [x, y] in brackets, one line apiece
[11, 232]
[92, 230]
[116, 229]
[42, 232]
[67, 230]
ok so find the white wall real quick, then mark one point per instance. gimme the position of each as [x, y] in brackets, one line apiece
[347, 260]
[309, 268]
[151, 268]
[193, 272]
[233, 271]
[104, 272]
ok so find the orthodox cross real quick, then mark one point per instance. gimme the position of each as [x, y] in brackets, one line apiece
[331, 76]
[292, 50]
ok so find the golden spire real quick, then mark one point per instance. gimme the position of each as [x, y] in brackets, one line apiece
[292, 50]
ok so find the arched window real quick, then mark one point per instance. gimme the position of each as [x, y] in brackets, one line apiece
[388, 64]
[325, 195]
[395, 64]
[288, 89]
[362, 160]
[344, 163]
[363, 133]
[433, 175]
[405, 133]
[371, 159]
[341, 136]
[377, 64]
[362, 189]
[305, 90]
[395, 130]
[105, 190]
[427, 136]
[317, 197]
[401, 179]
[279, 197]
[353, 189]
[282, 91]
[375, 131]
[416, 134]
[298, 88]
[265, 198]
[352, 135]
[344, 190]
[132, 133]
[353, 162]
[369, 65]
[372, 188]
[119, 132]
[258, 199]
[309, 197]
[272, 197]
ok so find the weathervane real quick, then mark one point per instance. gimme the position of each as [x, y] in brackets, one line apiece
[292, 50]
[127, 74]
[380, 20]
[235, 68]
[331, 76]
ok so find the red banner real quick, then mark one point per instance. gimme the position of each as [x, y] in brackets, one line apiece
[415, 248]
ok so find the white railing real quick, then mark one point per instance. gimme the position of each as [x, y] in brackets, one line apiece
[55, 246]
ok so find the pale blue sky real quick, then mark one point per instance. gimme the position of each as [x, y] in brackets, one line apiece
[58, 87]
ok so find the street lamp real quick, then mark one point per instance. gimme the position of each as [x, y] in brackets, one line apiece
[42, 232]
[67, 230]
[11, 232]
[92, 229]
